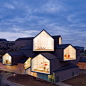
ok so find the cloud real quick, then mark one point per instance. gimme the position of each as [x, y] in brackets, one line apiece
[12, 36]
[52, 6]
[28, 18]
[9, 6]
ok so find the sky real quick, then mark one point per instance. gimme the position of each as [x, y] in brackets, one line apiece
[26, 18]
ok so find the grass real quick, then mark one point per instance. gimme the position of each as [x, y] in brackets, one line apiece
[79, 80]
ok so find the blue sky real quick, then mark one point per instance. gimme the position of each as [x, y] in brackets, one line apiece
[24, 18]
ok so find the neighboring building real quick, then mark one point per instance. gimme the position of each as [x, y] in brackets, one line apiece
[1, 39]
[81, 48]
[44, 56]
[82, 62]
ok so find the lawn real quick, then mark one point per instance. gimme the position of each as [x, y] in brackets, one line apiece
[79, 80]
[28, 80]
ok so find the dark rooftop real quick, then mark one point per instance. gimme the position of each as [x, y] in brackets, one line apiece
[57, 36]
[16, 53]
[23, 61]
[67, 66]
[28, 52]
[63, 46]
[49, 56]
[26, 38]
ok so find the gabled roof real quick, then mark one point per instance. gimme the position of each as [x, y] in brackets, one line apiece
[49, 56]
[82, 59]
[63, 46]
[26, 38]
[16, 54]
[45, 31]
[67, 66]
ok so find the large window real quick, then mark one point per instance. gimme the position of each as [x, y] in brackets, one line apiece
[43, 42]
[41, 64]
[69, 53]
[27, 63]
[7, 59]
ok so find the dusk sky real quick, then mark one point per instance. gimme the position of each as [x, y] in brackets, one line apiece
[26, 18]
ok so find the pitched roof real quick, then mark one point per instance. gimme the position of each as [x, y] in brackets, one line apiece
[49, 56]
[63, 46]
[28, 53]
[45, 31]
[67, 66]
[16, 54]
[82, 59]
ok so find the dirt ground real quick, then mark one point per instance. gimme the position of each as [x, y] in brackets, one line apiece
[79, 80]
[28, 80]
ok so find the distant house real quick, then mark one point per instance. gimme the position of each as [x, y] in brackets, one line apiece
[81, 48]
[1, 39]
[44, 56]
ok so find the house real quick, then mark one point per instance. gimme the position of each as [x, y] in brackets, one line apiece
[44, 56]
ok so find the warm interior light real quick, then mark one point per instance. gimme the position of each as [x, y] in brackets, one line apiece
[69, 53]
[41, 64]
[27, 63]
[43, 42]
[6, 59]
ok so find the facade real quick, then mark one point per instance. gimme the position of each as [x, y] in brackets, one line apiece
[44, 56]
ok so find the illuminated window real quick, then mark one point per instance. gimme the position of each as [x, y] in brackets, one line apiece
[69, 53]
[41, 64]
[51, 77]
[7, 59]
[27, 63]
[60, 40]
[43, 42]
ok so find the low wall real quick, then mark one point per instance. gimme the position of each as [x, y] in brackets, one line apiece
[82, 65]
[15, 68]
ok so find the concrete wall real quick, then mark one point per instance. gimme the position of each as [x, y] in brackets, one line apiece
[66, 74]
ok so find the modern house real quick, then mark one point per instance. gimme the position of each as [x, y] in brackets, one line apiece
[44, 56]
